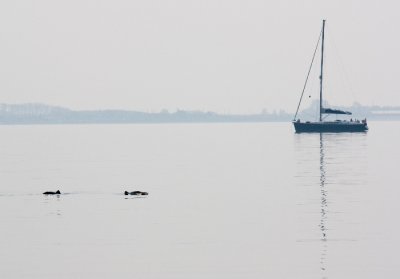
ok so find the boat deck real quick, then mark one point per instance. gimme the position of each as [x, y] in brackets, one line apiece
[331, 126]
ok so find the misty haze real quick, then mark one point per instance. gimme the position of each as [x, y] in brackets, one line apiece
[199, 139]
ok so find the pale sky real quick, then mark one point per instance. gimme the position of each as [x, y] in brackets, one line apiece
[227, 56]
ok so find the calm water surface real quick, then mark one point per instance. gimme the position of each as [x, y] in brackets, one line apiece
[225, 201]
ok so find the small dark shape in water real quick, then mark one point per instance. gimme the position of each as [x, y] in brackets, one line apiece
[52, 193]
[136, 193]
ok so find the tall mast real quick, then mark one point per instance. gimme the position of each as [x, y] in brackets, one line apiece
[322, 69]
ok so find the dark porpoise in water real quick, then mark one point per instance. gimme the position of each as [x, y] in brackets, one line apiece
[52, 193]
[136, 193]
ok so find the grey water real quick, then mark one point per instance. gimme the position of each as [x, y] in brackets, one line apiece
[225, 201]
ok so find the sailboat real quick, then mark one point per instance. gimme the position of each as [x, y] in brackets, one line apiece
[321, 125]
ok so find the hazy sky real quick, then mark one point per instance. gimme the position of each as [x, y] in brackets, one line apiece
[221, 55]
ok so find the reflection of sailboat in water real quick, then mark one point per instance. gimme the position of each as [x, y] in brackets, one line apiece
[324, 204]
[331, 174]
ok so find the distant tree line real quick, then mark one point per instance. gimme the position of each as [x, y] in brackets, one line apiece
[44, 114]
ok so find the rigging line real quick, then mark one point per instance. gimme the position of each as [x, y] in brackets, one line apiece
[308, 74]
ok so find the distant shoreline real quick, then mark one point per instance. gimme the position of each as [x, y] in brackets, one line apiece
[41, 114]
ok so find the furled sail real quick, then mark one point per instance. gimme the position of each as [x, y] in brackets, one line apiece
[334, 111]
